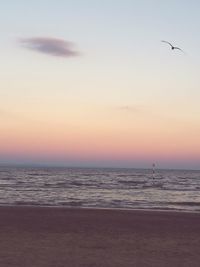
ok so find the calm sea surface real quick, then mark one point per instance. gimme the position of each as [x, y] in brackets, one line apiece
[101, 188]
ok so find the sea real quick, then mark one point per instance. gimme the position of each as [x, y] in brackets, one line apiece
[105, 188]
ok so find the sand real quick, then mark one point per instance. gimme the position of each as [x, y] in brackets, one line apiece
[61, 237]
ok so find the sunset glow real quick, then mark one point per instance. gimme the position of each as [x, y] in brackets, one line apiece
[96, 87]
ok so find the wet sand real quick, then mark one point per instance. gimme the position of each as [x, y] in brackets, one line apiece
[59, 237]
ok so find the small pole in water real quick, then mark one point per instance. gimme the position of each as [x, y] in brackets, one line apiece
[153, 170]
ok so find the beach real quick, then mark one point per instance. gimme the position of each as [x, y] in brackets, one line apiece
[60, 237]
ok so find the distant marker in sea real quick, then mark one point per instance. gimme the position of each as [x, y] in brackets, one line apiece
[153, 169]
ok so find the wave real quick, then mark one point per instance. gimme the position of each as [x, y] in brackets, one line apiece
[186, 203]
[131, 182]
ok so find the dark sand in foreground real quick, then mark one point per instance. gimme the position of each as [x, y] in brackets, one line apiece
[58, 237]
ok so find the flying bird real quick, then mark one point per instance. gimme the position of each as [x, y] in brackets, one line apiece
[173, 47]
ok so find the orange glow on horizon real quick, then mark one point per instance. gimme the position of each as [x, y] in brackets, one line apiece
[100, 137]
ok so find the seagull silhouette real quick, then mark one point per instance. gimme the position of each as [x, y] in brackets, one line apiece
[173, 47]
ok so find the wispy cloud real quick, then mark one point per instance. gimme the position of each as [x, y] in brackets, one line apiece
[128, 108]
[50, 46]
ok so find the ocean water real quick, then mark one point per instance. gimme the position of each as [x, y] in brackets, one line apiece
[101, 188]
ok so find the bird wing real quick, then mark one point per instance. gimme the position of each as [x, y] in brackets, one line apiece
[167, 43]
[175, 47]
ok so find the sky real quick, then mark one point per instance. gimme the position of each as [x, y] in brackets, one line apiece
[89, 83]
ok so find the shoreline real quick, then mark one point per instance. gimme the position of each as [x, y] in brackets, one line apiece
[101, 208]
[77, 237]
